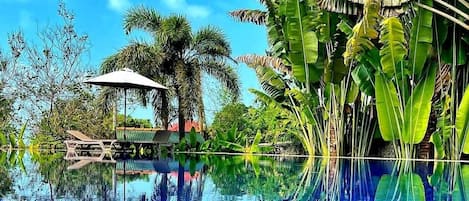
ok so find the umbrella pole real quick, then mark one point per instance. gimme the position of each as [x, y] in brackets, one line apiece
[125, 111]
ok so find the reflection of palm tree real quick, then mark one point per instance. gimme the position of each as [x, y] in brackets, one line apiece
[177, 59]
[180, 191]
[5, 182]
[161, 189]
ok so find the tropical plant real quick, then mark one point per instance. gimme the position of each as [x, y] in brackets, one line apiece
[177, 59]
[45, 68]
[82, 112]
[305, 75]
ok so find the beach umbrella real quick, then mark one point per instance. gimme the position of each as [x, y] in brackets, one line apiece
[125, 79]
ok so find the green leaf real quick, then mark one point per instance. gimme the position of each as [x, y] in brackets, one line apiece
[411, 187]
[462, 122]
[193, 138]
[407, 186]
[303, 42]
[418, 108]
[386, 188]
[421, 38]
[363, 77]
[12, 158]
[437, 175]
[388, 108]
[363, 32]
[393, 50]
[255, 143]
[345, 27]
[21, 135]
[352, 93]
[335, 71]
[12, 138]
[461, 189]
[3, 139]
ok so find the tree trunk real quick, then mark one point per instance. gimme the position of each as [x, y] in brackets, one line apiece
[332, 140]
[201, 117]
[180, 183]
[165, 110]
[181, 117]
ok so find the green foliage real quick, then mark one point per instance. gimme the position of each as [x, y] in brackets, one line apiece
[403, 187]
[303, 41]
[417, 109]
[177, 59]
[462, 122]
[443, 128]
[393, 51]
[82, 112]
[421, 38]
[12, 139]
[21, 136]
[388, 107]
[133, 122]
[363, 32]
[258, 176]
[229, 115]
[363, 76]
[3, 139]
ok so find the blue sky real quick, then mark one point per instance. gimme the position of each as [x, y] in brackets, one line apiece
[102, 21]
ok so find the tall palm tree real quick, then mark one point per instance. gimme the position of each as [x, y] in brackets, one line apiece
[177, 58]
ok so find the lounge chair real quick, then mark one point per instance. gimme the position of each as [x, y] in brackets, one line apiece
[85, 160]
[105, 145]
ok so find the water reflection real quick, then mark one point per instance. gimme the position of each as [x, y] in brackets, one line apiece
[47, 176]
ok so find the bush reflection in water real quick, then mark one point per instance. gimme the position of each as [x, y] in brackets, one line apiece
[47, 176]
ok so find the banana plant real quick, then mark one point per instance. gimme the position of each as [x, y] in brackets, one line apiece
[403, 108]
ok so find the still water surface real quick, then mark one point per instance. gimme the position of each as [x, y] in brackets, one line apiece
[41, 176]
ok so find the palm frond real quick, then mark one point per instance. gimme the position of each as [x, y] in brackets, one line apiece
[107, 98]
[137, 56]
[176, 33]
[266, 61]
[210, 41]
[225, 74]
[253, 16]
[142, 18]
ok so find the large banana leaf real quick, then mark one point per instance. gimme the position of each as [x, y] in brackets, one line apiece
[462, 122]
[411, 187]
[388, 108]
[421, 38]
[363, 77]
[407, 186]
[303, 41]
[363, 31]
[393, 50]
[387, 186]
[417, 109]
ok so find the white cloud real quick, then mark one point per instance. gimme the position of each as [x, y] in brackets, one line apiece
[118, 5]
[191, 10]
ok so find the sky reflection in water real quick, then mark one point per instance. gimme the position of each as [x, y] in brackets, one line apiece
[34, 176]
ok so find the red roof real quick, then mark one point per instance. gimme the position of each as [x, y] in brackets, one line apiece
[188, 126]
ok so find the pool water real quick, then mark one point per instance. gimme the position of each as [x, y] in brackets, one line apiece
[48, 176]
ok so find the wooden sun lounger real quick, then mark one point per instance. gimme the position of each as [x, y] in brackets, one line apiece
[72, 155]
[105, 145]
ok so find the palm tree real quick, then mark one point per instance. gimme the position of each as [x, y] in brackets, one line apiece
[177, 58]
